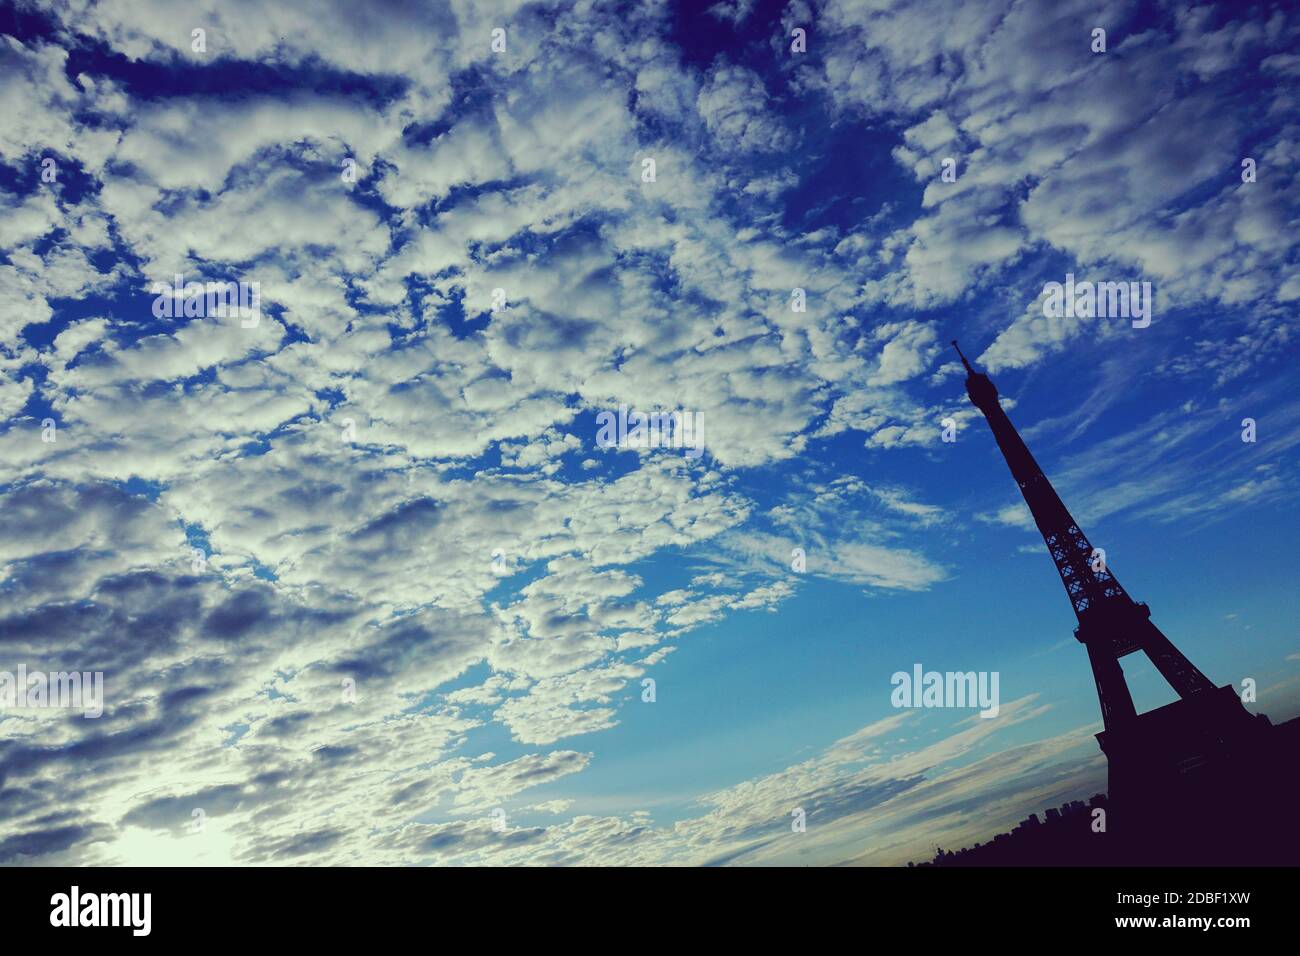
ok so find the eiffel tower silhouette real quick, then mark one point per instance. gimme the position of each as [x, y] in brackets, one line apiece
[1189, 780]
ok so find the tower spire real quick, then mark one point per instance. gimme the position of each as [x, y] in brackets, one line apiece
[963, 357]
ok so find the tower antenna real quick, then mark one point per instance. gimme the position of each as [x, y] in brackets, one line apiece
[963, 357]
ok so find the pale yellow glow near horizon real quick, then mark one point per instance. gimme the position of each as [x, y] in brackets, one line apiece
[140, 847]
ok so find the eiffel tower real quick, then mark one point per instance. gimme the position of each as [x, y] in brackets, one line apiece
[1194, 756]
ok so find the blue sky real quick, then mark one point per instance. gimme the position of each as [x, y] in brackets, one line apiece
[390, 485]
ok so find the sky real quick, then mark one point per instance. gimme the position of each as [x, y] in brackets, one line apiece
[363, 584]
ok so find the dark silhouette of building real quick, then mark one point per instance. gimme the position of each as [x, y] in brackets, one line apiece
[1200, 780]
[1068, 836]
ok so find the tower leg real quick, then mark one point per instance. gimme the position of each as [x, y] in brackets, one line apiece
[1117, 708]
[1183, 676]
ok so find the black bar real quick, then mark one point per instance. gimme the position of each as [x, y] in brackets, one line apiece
[578, 908]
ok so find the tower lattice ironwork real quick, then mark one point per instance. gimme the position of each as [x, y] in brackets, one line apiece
[1111, 624]
[1204, 754]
